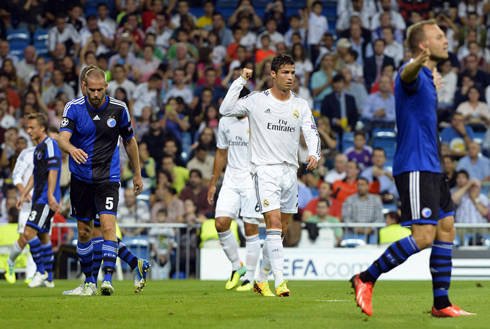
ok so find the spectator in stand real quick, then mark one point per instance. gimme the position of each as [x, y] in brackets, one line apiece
[271, 31]
[472, 204]
[327, 46]
[296, 25]
[249, 38]
[5, 53]
[356, 70]
[63, 33]
[354, 88]
[162, 32]
[146, 95]
[360, 152]
[245, 10]
[180, 175]
[393, 48]
[6, 120]
[75, 17]
[197, 192]
[120, 80]
[179, 88]
[340, 107]
[302, 64]
[374, 65]
[342, 189]
[343, 46]
[445, 94]
[363, 47]
[203, 162]
[476, 113]
[212, 83]
[150, 14]
[317, 27]
[393, 230]
[458, 136]
[207, 138]
[322, 216]
[26, 66]
[107, 38]
[275, 10]
[397, 20]
[379, 108]
[167, 199]
[324, 193]
[461, 94]
[471, 22]
[303, 92]
[205, 22]
[344, 16]
[155, 138]
[149, 63]
[378, 171]
[58, 85]
[147, 165]
[219, 27]
[450, 166]
[362, 207]
[471, 69]
[132, 211]
[475, 164]
[176, 117]
[407, 6]
[265, 51]
[124, 55]
[172, 148]
[104, 20]
[182, 11]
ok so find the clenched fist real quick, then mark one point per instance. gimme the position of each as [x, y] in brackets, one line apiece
[246, 74]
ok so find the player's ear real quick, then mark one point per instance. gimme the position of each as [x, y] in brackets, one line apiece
[273, 74]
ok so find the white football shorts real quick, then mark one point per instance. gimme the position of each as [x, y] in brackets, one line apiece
[234, 201]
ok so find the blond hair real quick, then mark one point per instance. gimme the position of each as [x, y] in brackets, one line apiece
[416, 33]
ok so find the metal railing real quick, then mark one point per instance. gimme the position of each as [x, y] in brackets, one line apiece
[467, 236]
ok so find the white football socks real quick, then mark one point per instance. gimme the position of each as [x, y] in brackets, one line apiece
[15, 251]
[230, 247]
[276, 254]
[252, 256]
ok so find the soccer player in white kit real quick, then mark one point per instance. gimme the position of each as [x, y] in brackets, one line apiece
[237, 195]
[20, 176]
[276, 116]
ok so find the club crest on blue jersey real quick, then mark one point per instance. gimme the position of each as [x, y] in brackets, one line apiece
[111, 122]
[426, 212]
[39, 155]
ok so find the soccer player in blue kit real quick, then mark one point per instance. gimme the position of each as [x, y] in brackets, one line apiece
[45, 199]
[90, 131]
[418, 169]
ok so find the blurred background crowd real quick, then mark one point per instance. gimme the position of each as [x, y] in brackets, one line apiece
[172, 61]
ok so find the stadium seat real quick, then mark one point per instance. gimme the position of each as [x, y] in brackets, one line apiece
[139, 246]
[347, 140]
[479, 137]
[19, 35]
[40, 38]
[385, 139]
[353, 240]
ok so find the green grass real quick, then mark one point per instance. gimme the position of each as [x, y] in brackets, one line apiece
[206, 304]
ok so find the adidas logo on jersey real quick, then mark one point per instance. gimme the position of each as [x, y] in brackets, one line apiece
[268, 111]
[96, 117]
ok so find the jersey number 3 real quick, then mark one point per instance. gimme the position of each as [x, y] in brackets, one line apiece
[109, 204]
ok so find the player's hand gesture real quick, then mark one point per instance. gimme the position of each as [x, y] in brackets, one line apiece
[137, 184]
[423, 57]
[437, 79]
[312, 163]
[246, 74]
[53, 205]
[79, 155]
[19, 202]
[211, 192]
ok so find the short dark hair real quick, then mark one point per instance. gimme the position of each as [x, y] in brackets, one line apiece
[323, 200]
[363, 178]
[195, 171]
[463, 172]
[360, 133]
[379, 149]
[338, 77]
[281, 60]
[416, 33]
[353, 53]
[155, 77]
[395, 216]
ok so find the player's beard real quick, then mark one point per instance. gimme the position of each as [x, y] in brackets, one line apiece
[95, 101]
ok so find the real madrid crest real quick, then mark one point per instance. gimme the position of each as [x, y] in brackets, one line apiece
[266, 203]
[111, 122]
[295, 114]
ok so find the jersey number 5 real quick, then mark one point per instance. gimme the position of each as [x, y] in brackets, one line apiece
[109, 204]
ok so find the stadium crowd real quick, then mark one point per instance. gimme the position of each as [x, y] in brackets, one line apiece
[172, 61]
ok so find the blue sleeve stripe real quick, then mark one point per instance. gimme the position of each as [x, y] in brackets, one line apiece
[54, 168]
[66, 129]
[132, 135]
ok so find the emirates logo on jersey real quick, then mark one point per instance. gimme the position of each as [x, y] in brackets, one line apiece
[282, 125]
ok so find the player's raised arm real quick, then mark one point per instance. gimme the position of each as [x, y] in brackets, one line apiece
[230, 107]
[411, 70]
[312, 139]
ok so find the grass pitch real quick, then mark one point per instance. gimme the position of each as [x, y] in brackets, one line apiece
[206, 304]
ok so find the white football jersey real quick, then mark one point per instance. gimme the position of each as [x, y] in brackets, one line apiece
[274, 125]
[23, 170]
[233, 134]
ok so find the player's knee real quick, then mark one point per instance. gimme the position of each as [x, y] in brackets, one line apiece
[251, 229]
[222, 224]
[84, 233]
[424, 239]
[27, 235]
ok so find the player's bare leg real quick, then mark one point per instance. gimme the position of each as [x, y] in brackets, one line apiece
[109, 251]
[230, 247]
[441, 267]
[252, 248]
